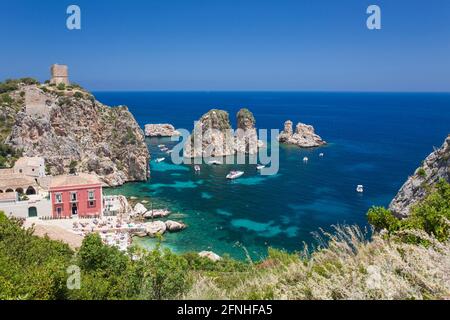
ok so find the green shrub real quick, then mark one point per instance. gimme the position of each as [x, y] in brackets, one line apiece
[431, 215]
[8, 86]
[421, 172]
[6, 98]
[61, 86]
[78, 95]
[29, 81]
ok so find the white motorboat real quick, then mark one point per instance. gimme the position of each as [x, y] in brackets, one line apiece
[169, 151]
[164, 149]
[214, 162]
[321, 155]
[234, 174]
[305, 159]
[360, 188]
[161, 145]
[160, 160]
[197, 168]
[260, 167]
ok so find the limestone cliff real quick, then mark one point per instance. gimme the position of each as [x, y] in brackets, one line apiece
[215, 138]
[160, 130]
[212, 136]
[304, 135]
[246, 135]
[75, 132]
[435, 167]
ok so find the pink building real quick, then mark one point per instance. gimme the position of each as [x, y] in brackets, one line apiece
[76, 196]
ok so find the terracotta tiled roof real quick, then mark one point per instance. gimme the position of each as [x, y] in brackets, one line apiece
[74, 180]
[16, 180]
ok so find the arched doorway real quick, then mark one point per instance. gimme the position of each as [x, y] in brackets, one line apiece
[19, 190]
[9, 190]
[1, 191]
[32, 212]
[31, 191]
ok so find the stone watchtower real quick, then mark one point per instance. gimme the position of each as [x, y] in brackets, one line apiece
[60, 74]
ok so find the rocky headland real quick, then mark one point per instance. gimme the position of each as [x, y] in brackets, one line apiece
[435, 167]
[215, 136]
[304, 135]
[160, 130]
[74, 132]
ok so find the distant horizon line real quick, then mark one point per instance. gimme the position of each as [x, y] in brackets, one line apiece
[270, 91]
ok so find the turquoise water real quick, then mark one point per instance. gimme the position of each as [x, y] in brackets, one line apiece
[374, 139]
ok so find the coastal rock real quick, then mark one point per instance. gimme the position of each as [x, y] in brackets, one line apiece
[211, 137]
[139, 209]
[160, 130]
[246, 136]
[215, 138]
[174, 226]
[304, 136]
[157, 213]
[210, 255]
[74, 132]
[155, 227]
[435, 167]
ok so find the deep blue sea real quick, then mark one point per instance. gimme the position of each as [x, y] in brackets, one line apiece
[375, 139]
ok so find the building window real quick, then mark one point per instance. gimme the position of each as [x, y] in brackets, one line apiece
[58, 198]
[91, 204]
[58, 211]
[91, 195]
[73, 196]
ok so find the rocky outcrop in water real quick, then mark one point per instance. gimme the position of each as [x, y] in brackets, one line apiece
[160, 130]
[155, 228]
[174, 226]
[435, 167]
[215, 137]
[75, 132]
[212, 136]
[246, 135]
[304, 135]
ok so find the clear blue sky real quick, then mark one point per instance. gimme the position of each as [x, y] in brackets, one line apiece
[231, 44]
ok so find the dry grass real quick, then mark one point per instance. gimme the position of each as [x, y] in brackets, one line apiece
[349, 267]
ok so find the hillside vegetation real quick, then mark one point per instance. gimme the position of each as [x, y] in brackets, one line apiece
[408, 259]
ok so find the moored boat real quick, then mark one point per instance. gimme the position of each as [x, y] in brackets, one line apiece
[234, 174]
[160, 160]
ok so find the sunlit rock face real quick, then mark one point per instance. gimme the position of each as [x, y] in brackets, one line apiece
[304, 135]
[74, 132]
[435, 167]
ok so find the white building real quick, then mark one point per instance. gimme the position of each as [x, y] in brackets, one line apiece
[34, 205]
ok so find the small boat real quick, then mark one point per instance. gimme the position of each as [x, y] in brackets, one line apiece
[197, 168]
[164, 149]
[360, 188]
[214, 162]
[260, 167]
[305, 159]
[234, 174]
[160, 160]
[321, 155]
[169, 151]
[161, 145]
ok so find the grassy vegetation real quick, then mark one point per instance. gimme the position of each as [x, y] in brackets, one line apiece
[349, 264]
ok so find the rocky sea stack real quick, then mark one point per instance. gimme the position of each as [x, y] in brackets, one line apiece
[434, 168]
[215, 138]
[74, 132]
[160, 130]
[304, 135]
